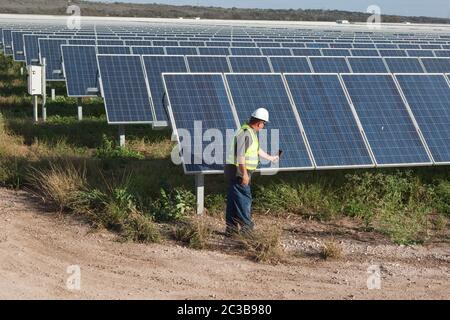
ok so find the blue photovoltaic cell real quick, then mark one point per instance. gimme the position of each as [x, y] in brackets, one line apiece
[436, 65]
[124, 89]
[420, 53]
[290, 64]
[110, 43]
[367, 65]
[7, 42]
[80, 67]
[50, 49]
[329, 65]
[392, 53]
[163, 43]
[404, 65]
[241, 44]
[208, 64]
[276, 52]
[17, 40]
[85, 42]
[250, 64]
[138, 43]
[251, 91]
[306, 52]
[201, 99]
[192, 44]
[442, 53]
[336, 52]
[155, 66]
[429, 99]
[246, 51]
[221, 44]
[386, 46]
[317, 45]
[214, 51]
[268, 44]
[113, 50]
[31, 47]
[328, 121]
[341, 45]
[147, 50]
[364, 53]
[385, 119]
[293, 45]
[183, 51]
[431, 46]
[363, 45]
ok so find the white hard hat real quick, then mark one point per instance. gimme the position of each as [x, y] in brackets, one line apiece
[261, 114]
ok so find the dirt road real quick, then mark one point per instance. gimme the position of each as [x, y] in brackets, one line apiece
[37, 247]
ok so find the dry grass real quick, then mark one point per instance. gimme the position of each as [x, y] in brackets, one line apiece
[331, 250]
[193, 231]
[154, 150]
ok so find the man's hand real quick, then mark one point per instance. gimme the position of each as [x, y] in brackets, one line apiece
[274, 159]
[245, 179]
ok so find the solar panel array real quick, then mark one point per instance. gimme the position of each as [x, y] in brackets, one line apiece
[338, 98]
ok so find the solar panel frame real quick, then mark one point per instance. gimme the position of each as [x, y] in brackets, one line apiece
[102, 90]
[410, 117]
[428, 116]
[292, 109]
[174, 123]
[78, 73]
[354, 115]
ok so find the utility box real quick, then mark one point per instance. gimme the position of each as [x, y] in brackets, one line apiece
[35, 74]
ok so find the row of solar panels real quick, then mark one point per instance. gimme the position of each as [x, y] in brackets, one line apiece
[324, 121]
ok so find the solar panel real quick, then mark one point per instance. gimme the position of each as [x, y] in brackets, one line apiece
[119, 43]
[251, 91]
[335, 52]
[183, 51]
[203, 64]
[392, 53]
[80, 69]
[389, 129]
[364, 53]
[290, 64]
[199, 98]
[249, 64]
[124, 89]
[17, 43]
[306, 52]
[31, 48]
[148, 50]
[317, 45]
[293, 45]
[246, 51]
[242, 44]
[429, 99]
[420, 53]
[155, 66]
[82, 42]
[113, 50]
[50, 49]
[221, 44]
[436, 65]
[364, 46]
[7, 42]
[276, 52]
[329, 64]
[367, 65]
[404, 65]
[442, 53]
[214, 51]
[330, 126]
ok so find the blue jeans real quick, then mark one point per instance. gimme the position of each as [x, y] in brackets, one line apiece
[239, 207]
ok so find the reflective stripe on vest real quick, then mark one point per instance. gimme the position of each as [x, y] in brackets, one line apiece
[251, 155]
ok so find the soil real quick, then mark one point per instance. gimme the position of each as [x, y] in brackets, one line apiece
[37, 247]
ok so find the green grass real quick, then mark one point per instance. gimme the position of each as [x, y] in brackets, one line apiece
[78, 167]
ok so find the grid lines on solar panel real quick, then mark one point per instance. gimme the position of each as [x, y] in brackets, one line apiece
[290, 64]
[17, 40]
[367, 65]
[204, 64]
[214, 51]
[252, 91]
[184, 51]
[392, 53]
[50, 49]
[386, 122]
[335, 52]
[147, 50]
[420, 53]
[31, 47]
[306, 52]
[246, 51]
[250, 64]
[276, 52]
[364, 53]
[442, 53]
[113, 50]
[7, 42]
[124, 89]
[404, 65]
[436, 65]
[329, 64]
[328, 121]
[429, 99]
[155, 66]
[80, 67]
[200, 98]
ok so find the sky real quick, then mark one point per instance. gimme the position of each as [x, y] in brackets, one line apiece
[431, 8]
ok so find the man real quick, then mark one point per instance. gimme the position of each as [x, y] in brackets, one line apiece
[242, 161]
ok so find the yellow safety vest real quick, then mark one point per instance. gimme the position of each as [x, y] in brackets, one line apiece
[251, 155]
